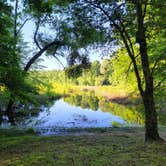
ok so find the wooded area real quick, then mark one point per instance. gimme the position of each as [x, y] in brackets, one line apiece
[133, 34]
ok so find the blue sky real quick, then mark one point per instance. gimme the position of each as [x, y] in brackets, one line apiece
[48, 62]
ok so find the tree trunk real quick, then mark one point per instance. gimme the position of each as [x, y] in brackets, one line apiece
[151, 133]
[1, 119]
[151, 125]
[10, 112]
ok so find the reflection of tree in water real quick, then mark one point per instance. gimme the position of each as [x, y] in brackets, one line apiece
[129, 113]
[84, 100]
[30, 110]
[132, 114]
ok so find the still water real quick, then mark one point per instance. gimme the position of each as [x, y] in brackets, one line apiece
[84, 110]
[63, 115]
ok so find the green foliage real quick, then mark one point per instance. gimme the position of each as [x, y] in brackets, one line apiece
[30, 131]
[4, 97]
[80, 74]
[122, 71]
[115, 124]
[74, 71]
[39, 7]
[12, 77]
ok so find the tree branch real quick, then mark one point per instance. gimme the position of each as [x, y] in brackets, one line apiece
[57, 57]
[22, 25]
[127, 72]
[154, 66]
[35, 34]
[159, 83]
[15, 19]
[38, 54]
[127, 36]
[58, 60]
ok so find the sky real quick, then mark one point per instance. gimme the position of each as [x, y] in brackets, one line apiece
[27, 30]
[48, 62]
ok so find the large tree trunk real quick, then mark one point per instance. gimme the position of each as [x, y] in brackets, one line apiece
[151, 133]
[151, 125]
[10, 112]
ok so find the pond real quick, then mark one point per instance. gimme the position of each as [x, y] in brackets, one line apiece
[61, 115]
[78, 111]
[81, 111]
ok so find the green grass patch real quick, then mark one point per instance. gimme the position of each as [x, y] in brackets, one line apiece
[114, 148]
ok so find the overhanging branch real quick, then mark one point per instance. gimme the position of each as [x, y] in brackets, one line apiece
[38, 54]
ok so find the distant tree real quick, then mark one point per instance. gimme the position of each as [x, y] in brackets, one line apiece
[106, 70]
[95, 68]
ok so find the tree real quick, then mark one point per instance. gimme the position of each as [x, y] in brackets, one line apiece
[39, 11]
[11, 74]
[118, 18]
[42, 13]
[147, 94]
[105, 70]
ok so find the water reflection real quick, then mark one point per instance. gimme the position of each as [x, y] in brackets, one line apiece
[24, 112]
[64, 115]
[131, 114]
[84, 100]
[85, 110]
[81, 111]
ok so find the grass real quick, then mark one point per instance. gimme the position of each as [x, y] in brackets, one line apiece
[111, 148]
